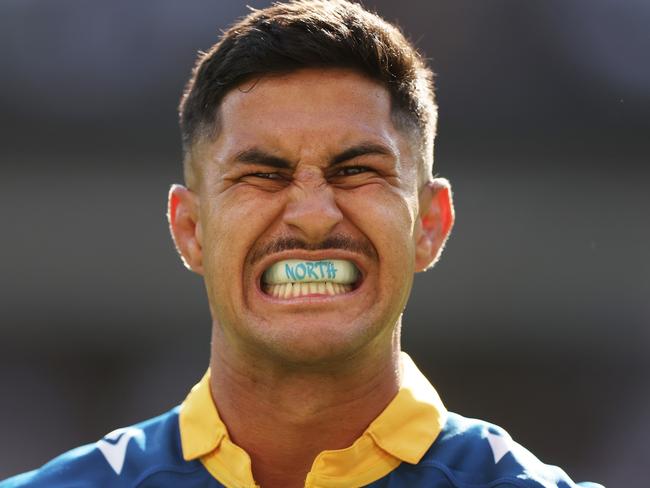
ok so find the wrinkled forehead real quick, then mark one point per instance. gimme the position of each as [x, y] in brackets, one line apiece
[307, 101]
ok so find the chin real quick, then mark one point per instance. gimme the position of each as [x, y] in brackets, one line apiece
[316, 344]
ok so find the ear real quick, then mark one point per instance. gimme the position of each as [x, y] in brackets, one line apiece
[434, 223]
[184, 225]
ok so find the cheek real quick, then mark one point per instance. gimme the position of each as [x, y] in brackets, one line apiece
[386, 217]
[233, 221]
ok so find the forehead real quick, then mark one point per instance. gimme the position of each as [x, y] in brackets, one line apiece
[306, 110]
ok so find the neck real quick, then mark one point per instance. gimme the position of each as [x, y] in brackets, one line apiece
[282, 416]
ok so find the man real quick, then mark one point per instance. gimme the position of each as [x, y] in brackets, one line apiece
[309, 204]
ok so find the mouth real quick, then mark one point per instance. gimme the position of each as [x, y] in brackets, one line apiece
[297, 278]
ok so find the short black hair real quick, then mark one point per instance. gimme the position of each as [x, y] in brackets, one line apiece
[312, 34]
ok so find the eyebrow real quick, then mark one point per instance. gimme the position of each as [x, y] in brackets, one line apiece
[260, 157]
[363, 149]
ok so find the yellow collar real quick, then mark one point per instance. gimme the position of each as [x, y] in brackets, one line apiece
[402, 432]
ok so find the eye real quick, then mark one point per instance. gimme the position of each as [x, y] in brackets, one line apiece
[266, 176]
[352, 170]
[263, 180]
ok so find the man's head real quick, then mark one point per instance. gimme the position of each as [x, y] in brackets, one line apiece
[307, 211]
[310, 34]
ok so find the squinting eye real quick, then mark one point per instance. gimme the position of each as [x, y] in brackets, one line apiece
[352, 170]
[267, 176]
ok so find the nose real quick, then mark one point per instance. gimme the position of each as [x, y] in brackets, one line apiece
[311, 210]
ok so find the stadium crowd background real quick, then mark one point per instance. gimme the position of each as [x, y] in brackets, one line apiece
[537, 317]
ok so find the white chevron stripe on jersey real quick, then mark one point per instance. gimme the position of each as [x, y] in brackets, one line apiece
[113, 446]
[499, 444]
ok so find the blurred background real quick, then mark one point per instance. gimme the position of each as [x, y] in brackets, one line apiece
[537, 317]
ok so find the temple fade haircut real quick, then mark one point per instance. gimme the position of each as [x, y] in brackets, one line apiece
[311, 34]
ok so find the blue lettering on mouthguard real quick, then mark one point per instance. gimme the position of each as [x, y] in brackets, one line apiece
[310, 270]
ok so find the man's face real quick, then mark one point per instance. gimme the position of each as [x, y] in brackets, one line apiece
[307, 168]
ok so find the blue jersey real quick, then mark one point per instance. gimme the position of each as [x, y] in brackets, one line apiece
[414, 443]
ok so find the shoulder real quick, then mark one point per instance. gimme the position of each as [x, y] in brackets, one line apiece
[471, 452]
[125, 457]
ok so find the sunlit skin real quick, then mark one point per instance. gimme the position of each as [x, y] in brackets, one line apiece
[308, 155]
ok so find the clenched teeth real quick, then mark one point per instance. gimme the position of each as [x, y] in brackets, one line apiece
[296, 290]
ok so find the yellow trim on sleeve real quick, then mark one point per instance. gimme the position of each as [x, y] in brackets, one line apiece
[401, 433]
